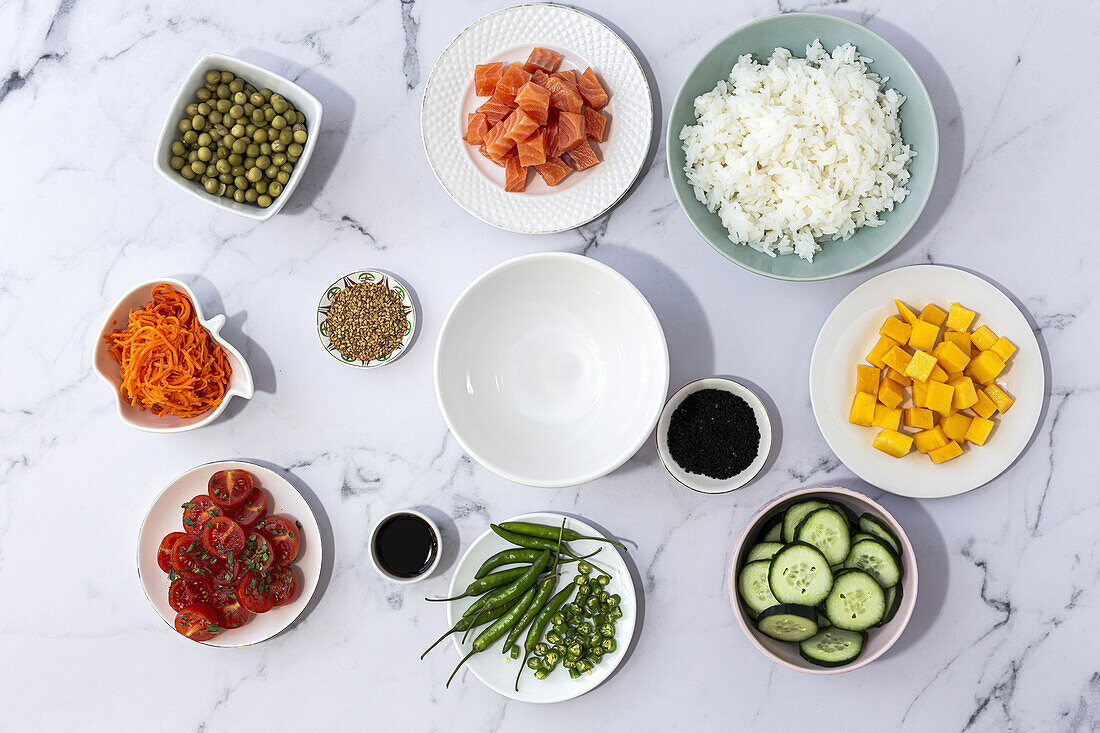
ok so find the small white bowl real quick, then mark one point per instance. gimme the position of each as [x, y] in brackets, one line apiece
[551, 369]
[372, 276]
[697, 481]
[240, 382]
[259, 78]
[396, 578]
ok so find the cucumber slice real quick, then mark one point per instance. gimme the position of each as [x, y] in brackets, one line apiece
[763, 551]
[752, 586]
[788, 622]
[796, 513]
[873, 525]
[771, 530]
[833, 647]
[893, 603]
[856, 602]
[875, 557]
[863, 536]
[800, 574]
[827, 530]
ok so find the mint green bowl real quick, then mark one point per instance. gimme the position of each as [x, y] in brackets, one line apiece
[918, 128]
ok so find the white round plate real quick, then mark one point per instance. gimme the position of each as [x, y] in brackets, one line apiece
[166, 516]
[697, 481]
[509, 35]
[498, 670]
[850, 332]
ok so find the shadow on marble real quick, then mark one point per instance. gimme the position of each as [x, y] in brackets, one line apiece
[774, 417]
[450, 539]
[339, 110]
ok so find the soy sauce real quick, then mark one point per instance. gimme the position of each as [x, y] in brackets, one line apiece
[405, 545]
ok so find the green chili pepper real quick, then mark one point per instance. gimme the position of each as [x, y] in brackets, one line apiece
[534, 634]
[551, 533]
[496, 630]
[545, 590]
[513, 591]
[486, 584]
[512, 557]
[466, 623]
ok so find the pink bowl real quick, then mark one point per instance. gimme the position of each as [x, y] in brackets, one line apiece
[878, 639]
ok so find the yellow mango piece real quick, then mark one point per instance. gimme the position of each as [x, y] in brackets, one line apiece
[895, 376]
[951, 357]
[920, 391]
[955, 426]
[984, 406]
[966, 395]
[897, 358]
[885, 343]
[918, 417]
[920, 366]
[1003, 348]
[938, 374]
[927, 441]
[893, 443]
[906, 314]
[983, 338]
[960, 318]
[986, 367]
[924, 335]
[979, 430]
[998, 397]
[960, 339]
[896, 329]
[863, 409]
[938, 397]
[886, 417]
[867, 379]
[890, 393]
[946, 453]
[933, 314]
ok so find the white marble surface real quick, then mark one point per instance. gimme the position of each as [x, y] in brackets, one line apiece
[1004, 634]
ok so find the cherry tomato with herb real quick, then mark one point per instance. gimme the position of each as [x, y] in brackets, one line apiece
[198, 622]
[230, 488]
[226, 574]
[183, 593]
[251, 510]
[254, 592]
[284, 585]
[283, 535]
[191, 560]
[257, 555]
[198, 512]
[222, 536]
[231, 614]
[164, 552]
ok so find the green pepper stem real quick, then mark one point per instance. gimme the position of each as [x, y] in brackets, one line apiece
[456, 627]
[472, 653]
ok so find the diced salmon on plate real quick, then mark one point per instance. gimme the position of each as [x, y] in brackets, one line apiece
[510, 82]
[535, 101]
[592, 90]
[595, 124]
[564, 95]
[476, 127]
[570, 130]
[583, 156]
[539, 77]
[543, 60]
[486, 77]
[532, 151]
[515, 176]
[553, 170]
[497, 143]
[494, 111]
[520, 126]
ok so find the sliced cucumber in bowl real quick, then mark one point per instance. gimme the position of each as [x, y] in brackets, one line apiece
[772, 529]
[856, 602]
[788, 622]
[875, 557]
[763, 551]
[872, 525]
[800, 573]
[827, 530]
[833, 647]
[753, 587]
[796, 513]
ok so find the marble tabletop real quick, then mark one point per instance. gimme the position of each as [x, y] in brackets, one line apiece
[1001, 637]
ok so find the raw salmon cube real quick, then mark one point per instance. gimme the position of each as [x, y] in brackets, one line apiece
[583, 156]
[476, 127]
[542, 59]
[563, 95]
[494, 111]
[591, 89]
[535, 101]
[485, 152]
[539, 77]
[553, 170]
[570, 130]
[552, 133]
[497, 142]
[595, 123]
[532, 151]
[486, 77]
[520, 126]
[569, 76]
[515, 176]
[513, 78]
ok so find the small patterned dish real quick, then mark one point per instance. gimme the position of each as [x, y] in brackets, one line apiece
[367, 276]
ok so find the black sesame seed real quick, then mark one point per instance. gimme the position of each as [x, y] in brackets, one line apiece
[714, 432]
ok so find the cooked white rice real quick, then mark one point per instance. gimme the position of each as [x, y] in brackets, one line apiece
[799, 150]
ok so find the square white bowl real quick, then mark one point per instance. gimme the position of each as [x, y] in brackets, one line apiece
[259, 78]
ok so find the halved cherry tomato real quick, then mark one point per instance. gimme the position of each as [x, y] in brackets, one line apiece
[226, 573]
[191, 560]
[284, 537]
[251, 510]
[164, 552]
[231, 614]
[257, 555]
[230, 488]
[198, 622]
[183, 593]
[284, 585]
[223, 537]
[197, 512]
[254, 592]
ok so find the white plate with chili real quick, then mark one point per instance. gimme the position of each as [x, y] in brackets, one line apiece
[279, 497]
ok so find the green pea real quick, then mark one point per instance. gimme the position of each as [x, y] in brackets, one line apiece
[225, 178]
[198, 122]
[239, 170]
[223, 166]
[176, 162]
[254, 174]
[239, 146]
[211, 185]
[227, 76]
[265, 148]
[249, 162]
[223, 106]
[191, 110]
[203, 93]
[282, 177]
[266, 93]
[190, 137]
[239, 196]
[237, 131]
[187, 173]
[198, 167]
[300, 136]
[236, 85]
[236, 111]
[252, 150]
[260, 136]
[261, 186]
[213, 76]
[222, 91]
[230, 192]
[192, 156]
[178, 148]
[184, 125]
[278, 145]
[256, 99]
[250, 196]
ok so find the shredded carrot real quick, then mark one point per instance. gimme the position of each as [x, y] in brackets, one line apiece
[169, 363]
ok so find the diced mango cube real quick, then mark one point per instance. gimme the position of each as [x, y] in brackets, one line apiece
[951, 357]
[986, 367]
[960, 318]
[863, 409]
[885, 343]
[946, 453]
[966, 394]
[893, 443]
[984, 406]
[867, 379]
[938, 374]
[932, 313]
[998, 397]
[886, 417]
[955, 426]
[890, 393]
[920, 392]
[1003, 348]
[983, 338]
[920, 366]
[927, 441]
[938, 397]
[918, 417]
[906, 314]
[895, 376]
[960, 339]
[979, 430]
[897, 358]
[924, 335]
[896, 329]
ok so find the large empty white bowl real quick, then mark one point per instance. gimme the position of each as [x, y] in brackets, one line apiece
[551, 369]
